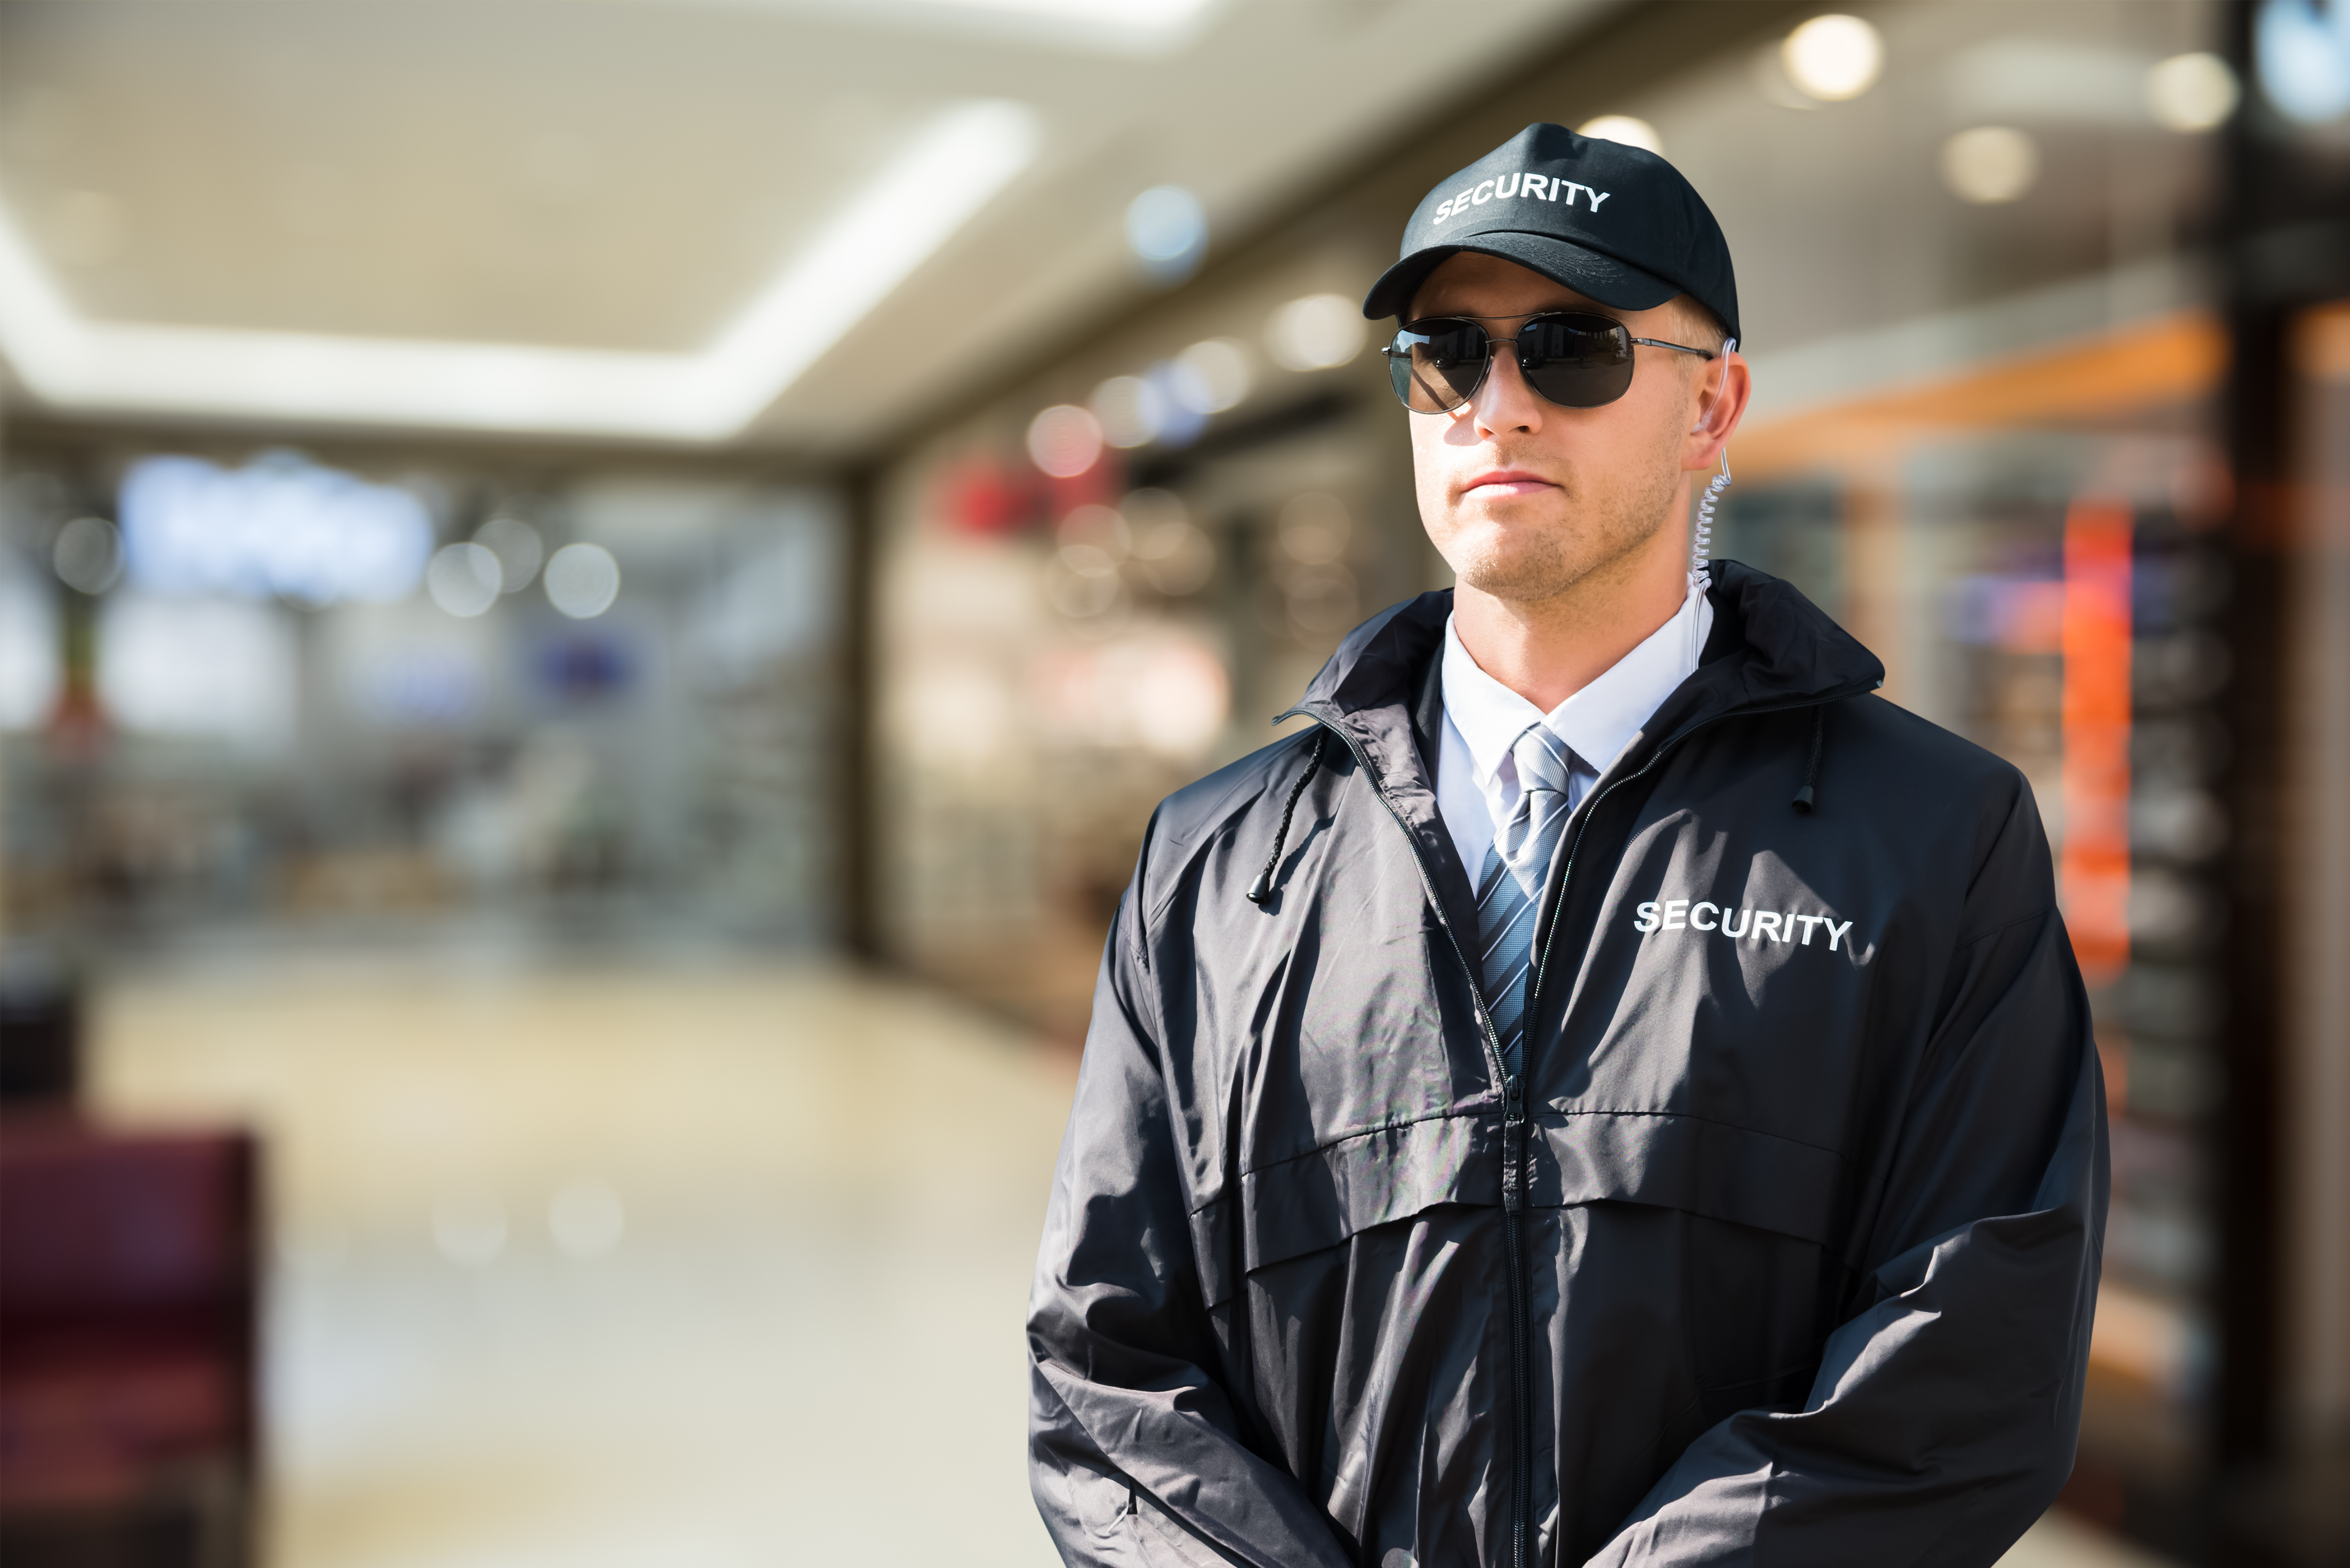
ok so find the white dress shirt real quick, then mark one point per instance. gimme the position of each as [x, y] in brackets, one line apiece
[1477, 779]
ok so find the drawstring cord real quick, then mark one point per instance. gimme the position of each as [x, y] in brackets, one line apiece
[1262, 889]
[1806, 798]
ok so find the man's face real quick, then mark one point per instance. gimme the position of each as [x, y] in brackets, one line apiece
[1523, 497]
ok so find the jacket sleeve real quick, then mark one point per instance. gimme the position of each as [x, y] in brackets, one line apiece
[1135, 1451]
[1943, 1417]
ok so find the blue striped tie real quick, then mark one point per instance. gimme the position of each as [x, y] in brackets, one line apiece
[1510, 887]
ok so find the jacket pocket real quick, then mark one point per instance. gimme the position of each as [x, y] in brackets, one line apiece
[1699, 1166]
[1325, 1197]
[1730, 1231]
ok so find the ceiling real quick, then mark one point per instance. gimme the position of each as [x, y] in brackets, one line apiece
[778, 223]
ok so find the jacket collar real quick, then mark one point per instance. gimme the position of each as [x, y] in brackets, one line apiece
[1770, 648]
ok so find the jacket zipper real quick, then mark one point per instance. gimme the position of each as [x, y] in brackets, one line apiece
[1513, 1172]
[1515, 1159]
[1566, 876]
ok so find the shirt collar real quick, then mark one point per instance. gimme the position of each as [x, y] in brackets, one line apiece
[1598, 722]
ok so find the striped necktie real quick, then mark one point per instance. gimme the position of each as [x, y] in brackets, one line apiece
[1511, 887]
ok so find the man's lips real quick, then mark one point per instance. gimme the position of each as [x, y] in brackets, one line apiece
[1501, 483]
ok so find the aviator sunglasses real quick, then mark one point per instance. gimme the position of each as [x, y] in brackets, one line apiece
[1573, 359]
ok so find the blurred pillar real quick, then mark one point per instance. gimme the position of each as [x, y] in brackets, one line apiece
[2316, 1064]
[2245, 1288]
[2286, 248]
[856, 745]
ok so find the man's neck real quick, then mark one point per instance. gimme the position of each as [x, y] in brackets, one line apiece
[1546, 650]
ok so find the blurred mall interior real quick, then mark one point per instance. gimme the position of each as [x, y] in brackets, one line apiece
[594, 600]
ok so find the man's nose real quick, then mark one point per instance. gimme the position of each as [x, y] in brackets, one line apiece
[1506, 403]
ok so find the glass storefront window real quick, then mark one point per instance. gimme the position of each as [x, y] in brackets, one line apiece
[284, 694]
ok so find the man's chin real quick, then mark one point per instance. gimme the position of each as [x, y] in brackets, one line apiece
[1518, 576]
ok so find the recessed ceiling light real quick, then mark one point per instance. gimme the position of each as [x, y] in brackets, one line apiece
[1139, 15]
[1113, 27]
[957, 164]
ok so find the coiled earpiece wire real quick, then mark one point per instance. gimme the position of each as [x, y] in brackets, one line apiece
[1702, 536]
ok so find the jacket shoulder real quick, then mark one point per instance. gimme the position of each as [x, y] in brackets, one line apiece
[1201, 808]
[1190, 823]
[1958, 802]
[1904, 748]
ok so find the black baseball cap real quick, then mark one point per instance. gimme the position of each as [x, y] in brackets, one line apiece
[1612, 221]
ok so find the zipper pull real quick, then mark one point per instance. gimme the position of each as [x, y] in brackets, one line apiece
[1514, 1143]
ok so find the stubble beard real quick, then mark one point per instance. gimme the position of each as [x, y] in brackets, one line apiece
[1588, 538]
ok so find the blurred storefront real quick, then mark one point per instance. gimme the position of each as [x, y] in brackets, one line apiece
[1999, 263]
[266, 690]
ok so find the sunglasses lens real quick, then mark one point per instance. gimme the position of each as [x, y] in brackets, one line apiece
[1435, 366]
[1576, 361]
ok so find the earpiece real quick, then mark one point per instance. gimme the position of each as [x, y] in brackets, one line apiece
[1701, 535]
[1729, 346]
[1702, 542]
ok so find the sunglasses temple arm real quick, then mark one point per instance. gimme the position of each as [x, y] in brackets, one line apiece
[1678, 347]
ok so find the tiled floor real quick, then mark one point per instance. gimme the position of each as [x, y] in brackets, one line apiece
[804, 1348]
[635, 1266]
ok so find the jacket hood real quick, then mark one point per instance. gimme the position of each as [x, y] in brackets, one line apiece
[1770, 648]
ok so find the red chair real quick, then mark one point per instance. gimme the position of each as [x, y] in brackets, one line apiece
[127, 1309]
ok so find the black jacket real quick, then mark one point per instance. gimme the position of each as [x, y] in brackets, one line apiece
[1783, 1251]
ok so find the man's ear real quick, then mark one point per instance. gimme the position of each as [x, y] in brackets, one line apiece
[1722, 404]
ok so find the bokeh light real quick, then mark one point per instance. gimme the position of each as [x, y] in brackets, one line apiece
[1990, 164]
[1315, 333]
[1834, 58]
[518, 548]
[1082, 583]
[1130, 409]
[89, 555]
[1629, 129]
[2192, 92]
[1100, 530]
[2304, 55]
[462, 580]
[582, 580]
[1064, 441]
[1174, 555]
[1220, 367]
[1168, 229]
